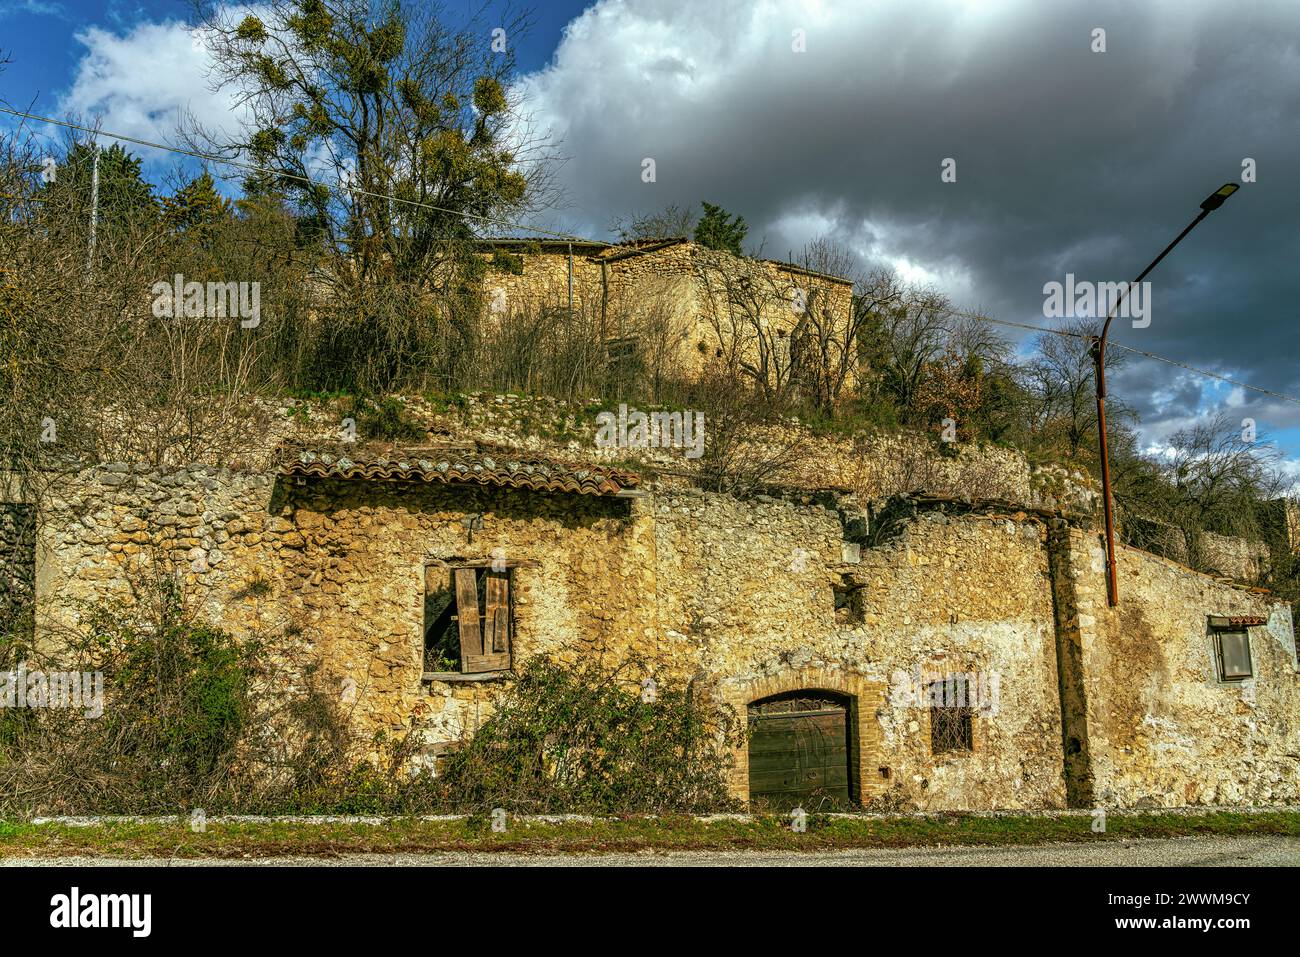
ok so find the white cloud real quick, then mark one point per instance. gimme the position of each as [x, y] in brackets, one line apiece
[1067, 160]
[143, 82]
[717, 96]
[36, 8]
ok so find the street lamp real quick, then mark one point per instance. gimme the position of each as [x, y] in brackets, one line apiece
[1212, 202]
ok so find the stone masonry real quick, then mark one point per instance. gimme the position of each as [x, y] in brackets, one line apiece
[1118, 707]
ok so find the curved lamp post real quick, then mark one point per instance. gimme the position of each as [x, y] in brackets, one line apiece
[1212, 202]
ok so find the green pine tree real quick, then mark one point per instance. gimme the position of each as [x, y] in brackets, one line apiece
[718, 229]
[126, 201]
[197, 208]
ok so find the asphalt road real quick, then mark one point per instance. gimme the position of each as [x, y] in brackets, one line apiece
[1175, 852]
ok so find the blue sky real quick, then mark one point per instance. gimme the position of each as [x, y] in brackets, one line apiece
[1070, 160]
[41, 36]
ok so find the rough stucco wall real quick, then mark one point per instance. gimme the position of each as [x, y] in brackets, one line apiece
[1162, 729]
[948, 596]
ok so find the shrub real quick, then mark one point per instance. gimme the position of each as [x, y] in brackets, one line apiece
[385, 419]
[193, 718]
[570, 739]
[177, 702]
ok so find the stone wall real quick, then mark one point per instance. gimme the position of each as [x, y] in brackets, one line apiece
[543, 281]
[1231, 557]
[357, 589]
[746, 599]
[1224, 555]
[112, 526]
[1155, 726]
[946, 595]
[870, 465]
[676, 300]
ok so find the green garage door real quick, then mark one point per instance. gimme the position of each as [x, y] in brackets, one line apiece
[799, 752]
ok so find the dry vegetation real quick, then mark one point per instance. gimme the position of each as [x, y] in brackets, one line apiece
[363, 296]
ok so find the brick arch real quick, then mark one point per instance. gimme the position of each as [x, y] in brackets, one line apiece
[865, 698]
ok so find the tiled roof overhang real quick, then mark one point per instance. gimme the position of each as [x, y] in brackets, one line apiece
[497, 468]
[1237, 621]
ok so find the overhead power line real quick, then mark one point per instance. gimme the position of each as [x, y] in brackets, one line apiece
[1142, 352]
[1206, 372]
[567, 237]
[214, 158]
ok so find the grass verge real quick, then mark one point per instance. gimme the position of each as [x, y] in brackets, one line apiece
[275, 838]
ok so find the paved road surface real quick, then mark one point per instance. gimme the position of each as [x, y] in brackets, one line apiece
[1176, 852]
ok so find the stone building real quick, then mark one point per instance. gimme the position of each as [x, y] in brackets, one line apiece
[704, 302]
[910, 651]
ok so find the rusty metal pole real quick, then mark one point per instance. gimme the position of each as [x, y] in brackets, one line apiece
[1214, 201]
[1099, 360]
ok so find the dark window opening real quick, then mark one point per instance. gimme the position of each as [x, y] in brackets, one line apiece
[952, 717]
[848, 602]
[468, 619]
[1233, 651]
[17, 566]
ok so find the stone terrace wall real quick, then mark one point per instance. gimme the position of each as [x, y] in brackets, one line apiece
[869, 465]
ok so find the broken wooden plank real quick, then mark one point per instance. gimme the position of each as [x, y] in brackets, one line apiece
[471, 632]
[492, 662]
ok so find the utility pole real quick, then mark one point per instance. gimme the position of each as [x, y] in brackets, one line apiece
[94, 208]
[1213, 202]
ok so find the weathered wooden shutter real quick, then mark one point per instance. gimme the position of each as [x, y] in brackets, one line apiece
[496, 613]
[471, 635]
[485, 638]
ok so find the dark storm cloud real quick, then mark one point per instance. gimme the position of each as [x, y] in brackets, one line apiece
[1068, 161]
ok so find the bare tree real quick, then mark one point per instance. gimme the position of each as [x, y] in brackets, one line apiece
[751, 321]
[671, 222]
[1060, 380]
[909, 334]
[1210, 478]
[827, 338]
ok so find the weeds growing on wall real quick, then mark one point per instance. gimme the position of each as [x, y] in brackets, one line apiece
[176, 702]
[568, 738]
[191, 718]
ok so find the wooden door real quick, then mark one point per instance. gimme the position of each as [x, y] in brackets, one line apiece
[799, 752]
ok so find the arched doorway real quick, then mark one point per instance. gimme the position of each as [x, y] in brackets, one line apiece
[800, 750]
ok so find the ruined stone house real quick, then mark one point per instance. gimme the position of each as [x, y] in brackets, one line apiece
[701, 301]
[912, 651]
